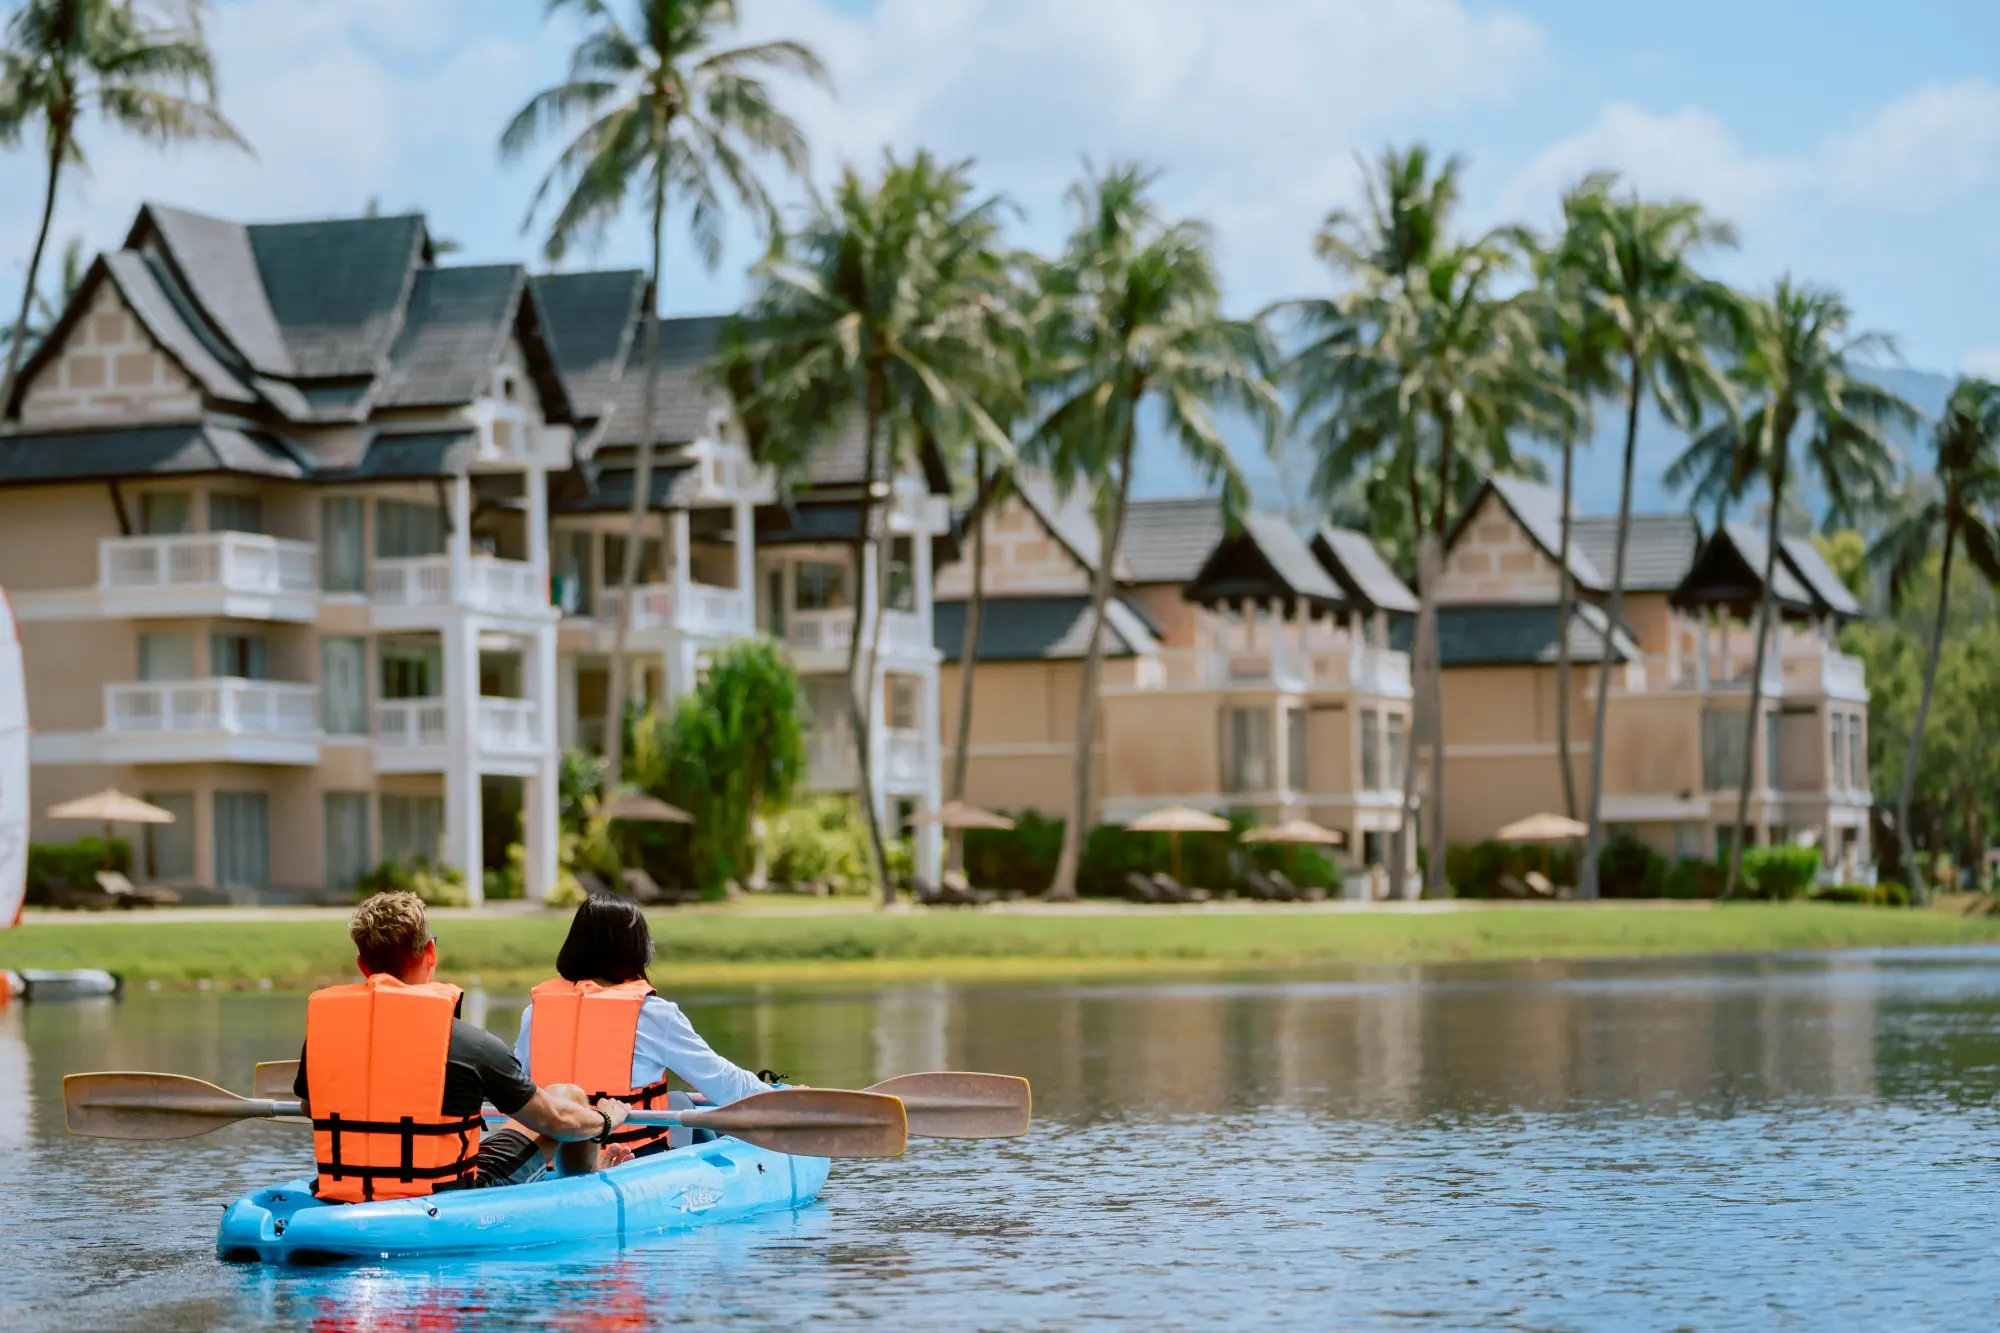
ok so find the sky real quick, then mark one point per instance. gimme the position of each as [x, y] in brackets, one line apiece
[1853, 143]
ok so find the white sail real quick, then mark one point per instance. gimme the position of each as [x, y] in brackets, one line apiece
[13, 771]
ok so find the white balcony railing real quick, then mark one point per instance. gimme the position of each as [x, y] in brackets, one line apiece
[218, 706]
[903, 757]
[240, 562]
[507, 726]
[492, 584]
[704, 609]
[1826, 673]
[653, 606]
[1377, 670]
[1818, 672]
[410, 724]
[903, 632]
[830, 758]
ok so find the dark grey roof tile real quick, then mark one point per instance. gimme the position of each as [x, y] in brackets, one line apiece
[1496, 635]
[1362, 572]
[1167, 541]
[456, 323]
[143, 451]
[590, 322]
[337, 288]
[215, 261]
[1816, 574]
[1031, 629]
[1659, 548]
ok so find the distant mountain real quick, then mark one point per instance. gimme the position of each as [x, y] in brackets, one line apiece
[1279, 484]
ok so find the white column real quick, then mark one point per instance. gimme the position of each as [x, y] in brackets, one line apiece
[461, 772]
[539, 833]
[1281, 748]
[745, 525]
[569, 724]
[460, 540]
[538, 526]
[930, 838]
[1701, 663]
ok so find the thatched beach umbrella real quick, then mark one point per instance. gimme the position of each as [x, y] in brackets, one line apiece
[109, 807]
[1175, 820]
[1298, 832]
[959, 815]
[1544, 828]
[641, 808]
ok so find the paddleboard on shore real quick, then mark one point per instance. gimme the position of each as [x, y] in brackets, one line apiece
[13, 771]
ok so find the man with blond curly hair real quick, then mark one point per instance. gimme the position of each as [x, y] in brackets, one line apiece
[395, 1081]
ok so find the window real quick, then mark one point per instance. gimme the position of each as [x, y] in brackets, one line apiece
[1772, 750]
[1371, 754]
[347, 840]
[902, 591]
[774, 600]
[242, 656]
[1247, 751]
[405, 530]
[342, 565]
[614, 562]
[1857, 754]
[825, 702]
[1296, 770]
[343, 686]
[1837, 725]
[1723, 732]
[242, 839]
[165, 513]
[232, 511]
[170, 847]
[573, 591]
[166, 657]
[903, 693]
[1687, 842]
[411, 827]
[1398, 751]
[412, 669]
[819, 585]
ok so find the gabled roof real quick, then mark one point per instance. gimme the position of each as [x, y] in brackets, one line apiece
[684, 400]
[591, 320]
[1538, 509]
[457, 322]
[62, 456]
[410, 456]
[1265, 560]
[212, 259]
[1659, 548]
[337, 288]
[1511, 635]
[1361, 571]
[1067, 515]
[1166, 541]
[1729, 572]
[1834, 596]
[1030, 629]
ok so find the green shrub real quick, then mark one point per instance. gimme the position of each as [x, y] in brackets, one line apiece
[1780, 874]
[1017, 860]
[819, 841]
[1475, 871]
[1694, 879]
[1628, 868]
[76, 863]
[442, 886]
[1886, 894]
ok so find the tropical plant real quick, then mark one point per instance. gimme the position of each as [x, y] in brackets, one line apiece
[1795, 365]
[1632, 265]
[1415, 378]
[823, 841]
[1961, 509]
[728, 752]
[1134, 316]
[669, 113]
[123, 62]
[882, 311]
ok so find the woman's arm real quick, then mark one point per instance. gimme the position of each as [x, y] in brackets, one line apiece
[667, 1042]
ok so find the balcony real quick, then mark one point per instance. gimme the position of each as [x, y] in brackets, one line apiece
[831, 763]
[904, 634]
[1800, 672]
[240, 574]
[413, 735]
[405, 589]
[702, 609]
[1368, 670]
[211, 721]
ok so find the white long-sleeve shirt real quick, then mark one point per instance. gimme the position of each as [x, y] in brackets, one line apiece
[667, 1042]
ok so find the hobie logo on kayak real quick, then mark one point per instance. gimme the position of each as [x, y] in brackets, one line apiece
[699, 1198]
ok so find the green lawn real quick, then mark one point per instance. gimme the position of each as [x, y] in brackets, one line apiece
[720, 947]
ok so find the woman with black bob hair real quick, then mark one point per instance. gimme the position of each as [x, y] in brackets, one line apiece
[600, 1024]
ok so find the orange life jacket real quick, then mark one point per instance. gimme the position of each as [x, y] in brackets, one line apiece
[583, 1033]
[375, 1065]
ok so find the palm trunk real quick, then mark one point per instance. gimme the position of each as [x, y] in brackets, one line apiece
[1063, 887]
[1587, 886]
[861, 684]
[1766, 613]
[1906, 845]
[58, 146]
[1565, 601]
[1401, 853]
[968, 653]
[1436, 885]
[642, 495]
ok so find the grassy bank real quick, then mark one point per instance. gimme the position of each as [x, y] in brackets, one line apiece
[721, 947]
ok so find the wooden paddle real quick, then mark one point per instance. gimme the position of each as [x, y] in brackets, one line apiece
[806, 1122]
[940, 1105]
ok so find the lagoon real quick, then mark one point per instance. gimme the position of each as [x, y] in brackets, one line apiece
[1799, 1141]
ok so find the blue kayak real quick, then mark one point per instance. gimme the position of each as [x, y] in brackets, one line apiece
[688, 1187]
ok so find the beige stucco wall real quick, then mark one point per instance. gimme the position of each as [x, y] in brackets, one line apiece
[1023, 733]
[1177, 617]
[1162, 744]
[1493, 560]
[49, 535]
[109, 369]
[1021, 557]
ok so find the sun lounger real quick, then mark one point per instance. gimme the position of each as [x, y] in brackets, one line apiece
[1258, 885]
[1141, 888]
[128, 894]
[1293, 893]
[647, 893]
[926, 893]
[1173, 891]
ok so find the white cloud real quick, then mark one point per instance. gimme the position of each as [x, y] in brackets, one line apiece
[1919, 152]
[1981, 361]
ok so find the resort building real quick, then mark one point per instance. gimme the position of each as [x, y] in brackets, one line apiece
[1247, 671]
[1678, 720]
[310, 538]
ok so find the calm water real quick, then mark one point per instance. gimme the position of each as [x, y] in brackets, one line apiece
[1805, 1143]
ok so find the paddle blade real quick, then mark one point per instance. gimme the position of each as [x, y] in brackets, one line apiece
[155, 1106]
[811, 1122]
[274, 1079]
[961, 1105]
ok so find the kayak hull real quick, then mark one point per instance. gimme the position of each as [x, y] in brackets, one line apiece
[672, 1191]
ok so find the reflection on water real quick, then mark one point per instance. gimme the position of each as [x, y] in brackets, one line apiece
[1557, 1145]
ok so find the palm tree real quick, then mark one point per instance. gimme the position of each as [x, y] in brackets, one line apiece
[64, 61]
[669, 113]
[1416, 376]
[1134, 316]
[1633, 266]
[1796, 363]
[1962, 507]
[883, 308]
[47, 309]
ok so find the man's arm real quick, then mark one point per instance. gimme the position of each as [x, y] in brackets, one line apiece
[566, 1120]
[549, 1112]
